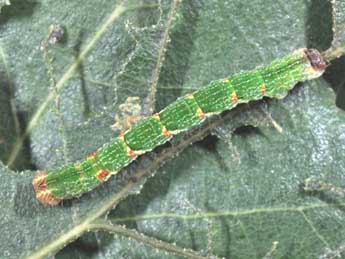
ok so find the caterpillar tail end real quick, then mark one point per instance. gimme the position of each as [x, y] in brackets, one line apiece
[42, 193]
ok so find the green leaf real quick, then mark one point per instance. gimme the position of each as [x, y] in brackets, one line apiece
[4, 3]
[338, 23]
[231, 195]
[335, 75]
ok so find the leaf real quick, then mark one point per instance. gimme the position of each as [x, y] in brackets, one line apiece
[231, 195]
[338, 23]
[335, 75]
[4, 3]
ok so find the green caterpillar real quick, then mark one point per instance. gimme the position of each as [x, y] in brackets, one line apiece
[273, 80]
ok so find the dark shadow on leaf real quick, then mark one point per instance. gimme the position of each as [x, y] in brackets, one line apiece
[17, 10]
[297, 89]
[319, 27]
[8, 133]
[13, 124]
[340, 99]
[319, 35]
[23, 160]
[247, 130]
[84, 247]
[209, 143]
[336, 77]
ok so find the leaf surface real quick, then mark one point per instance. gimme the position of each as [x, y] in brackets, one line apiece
[232, 195]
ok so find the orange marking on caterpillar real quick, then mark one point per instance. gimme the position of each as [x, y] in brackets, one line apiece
[234, 97]
[102, 174]
[166, 132]
[42, 193]
[131, 153]
[201, 114]
[92, 156]
[263, 90]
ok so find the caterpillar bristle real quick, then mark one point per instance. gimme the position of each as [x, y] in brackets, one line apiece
[42, 193]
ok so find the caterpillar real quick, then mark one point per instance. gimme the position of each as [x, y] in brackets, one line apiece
[273, 80]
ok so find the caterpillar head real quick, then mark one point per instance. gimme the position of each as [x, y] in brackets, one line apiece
[42, 193]
[316, 61]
